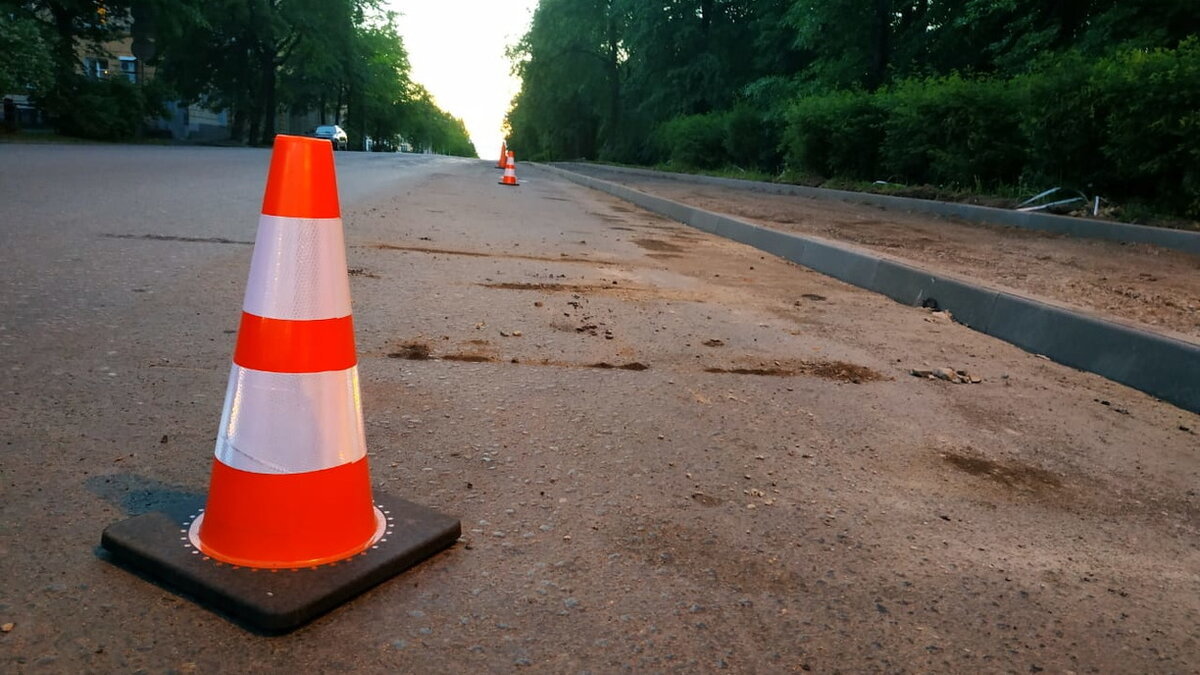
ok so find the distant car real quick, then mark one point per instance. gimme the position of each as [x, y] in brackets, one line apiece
[334, 134]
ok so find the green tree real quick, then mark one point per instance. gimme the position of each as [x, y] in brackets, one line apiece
[234, 54]
[571, 65]
[26, 60]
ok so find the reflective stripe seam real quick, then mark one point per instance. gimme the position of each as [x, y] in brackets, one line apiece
[298, 270]
[290, 422]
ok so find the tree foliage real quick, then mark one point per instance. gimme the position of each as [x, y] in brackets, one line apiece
[26, 60]
[343, 60]
[957, 91]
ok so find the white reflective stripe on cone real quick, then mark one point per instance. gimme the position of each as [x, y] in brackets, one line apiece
[291, 422]
[298, 270]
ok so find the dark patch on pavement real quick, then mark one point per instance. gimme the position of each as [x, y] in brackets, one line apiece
[171, 237]
[657, 245]
[563, 288]
[136, 494]
[469, 358]
[625, 366]
[829, 370]
[1014, 476]
[607, 216]
[479, 254]
[845, 372]
[778, 372]
[413, 351]
[361, 272]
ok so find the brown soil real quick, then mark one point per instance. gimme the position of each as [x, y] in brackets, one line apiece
[624, 366]
[1015, 476]
[412, 351]
[829, 370]
[469, 358]
[657, 245]
[562, 258]
[1156, 287]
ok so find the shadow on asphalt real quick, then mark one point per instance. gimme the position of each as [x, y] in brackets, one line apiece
[136, 495]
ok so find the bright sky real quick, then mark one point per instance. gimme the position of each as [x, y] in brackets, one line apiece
[456, 48]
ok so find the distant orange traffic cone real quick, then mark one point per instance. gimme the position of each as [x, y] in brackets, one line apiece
[502, 162]
[510, 171]
[289, 485]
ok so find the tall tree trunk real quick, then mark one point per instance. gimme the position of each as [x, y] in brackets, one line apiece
[64, 25]
[877, 56]
[254, 116]
[237, 131]
[614, 83]
[268, 98]
[703, 104]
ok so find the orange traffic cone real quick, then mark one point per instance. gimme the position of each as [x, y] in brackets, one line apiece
[501, 163]
[289, 485]
[510, 171]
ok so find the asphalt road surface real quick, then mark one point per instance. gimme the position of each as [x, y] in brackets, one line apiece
[669, 452]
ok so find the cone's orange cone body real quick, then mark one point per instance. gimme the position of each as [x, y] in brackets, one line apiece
[503, 161]
[510, 171]
[289, 484]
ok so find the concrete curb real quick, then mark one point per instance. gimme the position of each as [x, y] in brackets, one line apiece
[1156, 364]
[1180, 240]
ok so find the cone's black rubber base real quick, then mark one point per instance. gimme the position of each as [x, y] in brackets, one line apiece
[275, 601]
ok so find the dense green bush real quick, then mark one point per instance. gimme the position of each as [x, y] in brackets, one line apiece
[105, 109]
[953, 131]
[1126, 127]
[1062, 125]
[839, 134]
[750, 139]
[1150, 103]
[695, 141]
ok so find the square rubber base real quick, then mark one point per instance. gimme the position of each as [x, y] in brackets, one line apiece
[275, 601]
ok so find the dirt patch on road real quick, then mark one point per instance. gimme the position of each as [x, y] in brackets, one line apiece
[657, 245]
[553, 288]
[1014, 476]
[839, 371]
[469, 358]
[623, 292]
[480, 254]
[169, 237]
[604, 365]
[412, 351]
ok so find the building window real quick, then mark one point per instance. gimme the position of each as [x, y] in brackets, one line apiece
[95, 68]
[129, 68]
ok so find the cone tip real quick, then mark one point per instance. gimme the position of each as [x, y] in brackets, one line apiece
[301, 182]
